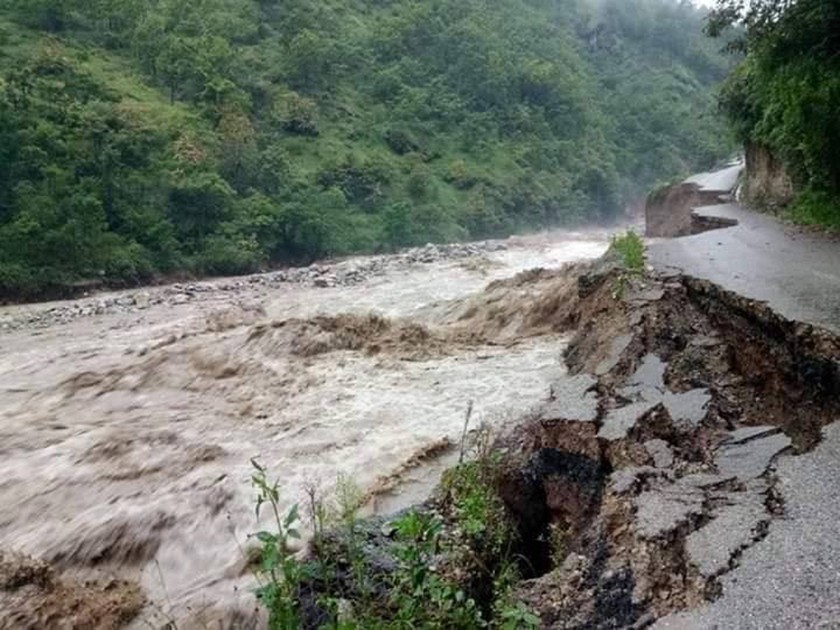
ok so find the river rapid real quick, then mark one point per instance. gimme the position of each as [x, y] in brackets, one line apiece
[127, 429]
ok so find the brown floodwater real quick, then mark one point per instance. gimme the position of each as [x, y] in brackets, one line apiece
[126, 438]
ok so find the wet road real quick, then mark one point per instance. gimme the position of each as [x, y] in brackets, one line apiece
[723, 180]
[790, 579]
[796, 272]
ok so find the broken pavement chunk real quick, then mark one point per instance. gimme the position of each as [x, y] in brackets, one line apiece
[619, 345]
[750, 459]
[746, 434]
[735, 527]
[663, 456]
[572, 400]
[619, 421]
[687, 406]
[662, 510]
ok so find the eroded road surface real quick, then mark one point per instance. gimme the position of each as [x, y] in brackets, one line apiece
[796, 272]
[791, 579]
[128, 421]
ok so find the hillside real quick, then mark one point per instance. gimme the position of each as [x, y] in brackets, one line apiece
[782, 101]
[140, 138]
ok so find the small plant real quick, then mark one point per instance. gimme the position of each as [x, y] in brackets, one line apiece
[508, 614]
[471, 494]
[631, 251]
[349, 499]
[420, 596]
[279, 573]
[519, 617]
[426, 586]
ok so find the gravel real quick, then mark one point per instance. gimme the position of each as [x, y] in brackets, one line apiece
[349, 272]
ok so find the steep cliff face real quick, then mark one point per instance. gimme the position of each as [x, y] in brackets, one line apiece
[766, 182]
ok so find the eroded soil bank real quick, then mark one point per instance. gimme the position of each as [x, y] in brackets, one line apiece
[698, 390]
[636, 489]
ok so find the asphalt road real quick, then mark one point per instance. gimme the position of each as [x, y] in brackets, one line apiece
[790, 579]
[723, 180]
[796, 272]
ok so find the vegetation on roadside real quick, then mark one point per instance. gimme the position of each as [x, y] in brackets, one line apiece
[785, 95]
[629, 250]
[149, 137]
[816, 208]
[450, 566]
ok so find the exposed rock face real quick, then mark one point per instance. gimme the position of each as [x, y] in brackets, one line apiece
[668, 212]
[766, 181]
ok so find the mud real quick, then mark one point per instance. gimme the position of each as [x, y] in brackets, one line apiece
[128, 420]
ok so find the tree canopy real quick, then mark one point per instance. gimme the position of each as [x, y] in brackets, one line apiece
[149, 137]
[785, 95]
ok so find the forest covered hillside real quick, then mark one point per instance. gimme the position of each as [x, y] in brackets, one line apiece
[143, 138]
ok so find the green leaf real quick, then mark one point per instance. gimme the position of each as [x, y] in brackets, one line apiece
[292, 517]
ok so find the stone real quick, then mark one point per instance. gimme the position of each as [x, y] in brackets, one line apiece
[142, 300]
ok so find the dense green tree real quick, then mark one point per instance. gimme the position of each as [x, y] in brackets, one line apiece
[785, 95]
[143, 137]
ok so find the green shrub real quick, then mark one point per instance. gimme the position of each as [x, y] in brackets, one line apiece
[279, 573]
[630, 250]
[420, 591]
[816, 208]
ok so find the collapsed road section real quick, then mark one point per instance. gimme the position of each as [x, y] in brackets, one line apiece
[638, 486]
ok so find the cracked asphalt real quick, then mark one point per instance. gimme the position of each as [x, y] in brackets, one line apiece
[791, 578]
[796, 272]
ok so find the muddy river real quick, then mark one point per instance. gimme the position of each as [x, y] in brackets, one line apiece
[126, 434]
